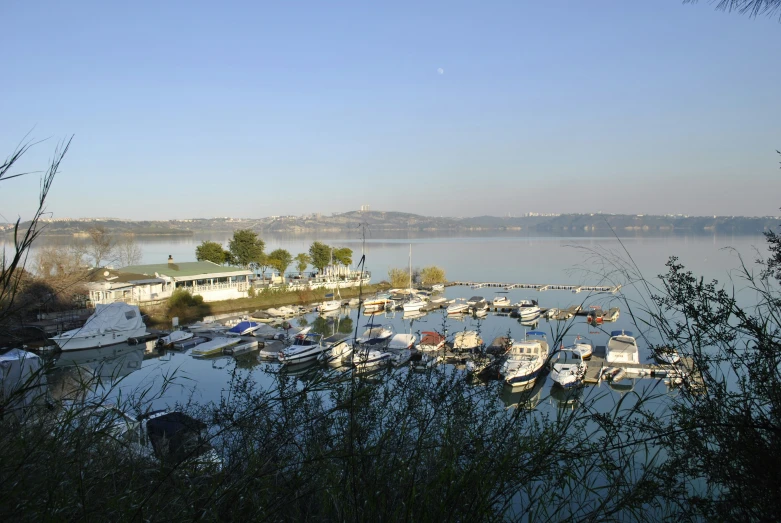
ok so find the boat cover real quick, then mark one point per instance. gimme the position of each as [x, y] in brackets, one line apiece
[23, 382]
[113, 317]
[536, 333]
[621, 333]
[242, 326]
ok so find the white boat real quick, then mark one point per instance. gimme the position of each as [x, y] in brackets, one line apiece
[526, 359]
[174, 337]
[422, 361]
[474, 300]
[458, 307]
[109, 325]
[431, 341]
[501, 301]
[438, 287]
[368, 358]
[438, 300]
[583, 349]
[568, 369]
[340, 349]
[402, 342]
[305, 348]
[334, 304]
[480, 308]
[378, 303]
[622, 348]
[466, 341]
[527, 309]
[552, 313]
[270, 350]
[207, 326]
[375, 337]
[667, 355]
[413, 304]
[215, 346]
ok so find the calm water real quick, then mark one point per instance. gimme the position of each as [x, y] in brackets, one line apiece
[521, 259]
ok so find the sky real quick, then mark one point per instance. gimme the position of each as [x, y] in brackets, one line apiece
[252, 109]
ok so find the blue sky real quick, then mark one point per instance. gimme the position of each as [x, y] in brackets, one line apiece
[253, 109]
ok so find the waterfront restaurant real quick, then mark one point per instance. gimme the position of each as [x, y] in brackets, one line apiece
[141, 284]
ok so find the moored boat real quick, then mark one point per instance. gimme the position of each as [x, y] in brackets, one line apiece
[459, 306]
[243, 328]
[109, 325]
[305, 348]
[526, 359]
[568, 369]
[622, 348]
[175, 336]
[214, 346]
[431, 341]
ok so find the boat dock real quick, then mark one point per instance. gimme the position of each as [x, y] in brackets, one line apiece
[597, 363]
[539, 286]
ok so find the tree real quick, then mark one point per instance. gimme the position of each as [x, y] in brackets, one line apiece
[262, 264]
[343, 256]
[431, 275]
[320, 255]
[245, 247]
[127, 251]
[302, 262]
[747, 7]
[398, 277]
[101, 245]
[211, 251]
[280, 260]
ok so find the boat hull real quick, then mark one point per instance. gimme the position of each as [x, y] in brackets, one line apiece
[96, 341]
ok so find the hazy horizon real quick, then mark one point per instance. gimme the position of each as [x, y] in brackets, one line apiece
[440, 109]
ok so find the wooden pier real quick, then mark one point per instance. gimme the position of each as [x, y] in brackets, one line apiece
[539, 286]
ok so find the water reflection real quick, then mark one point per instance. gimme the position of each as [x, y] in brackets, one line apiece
[78, 373]
[525, 396]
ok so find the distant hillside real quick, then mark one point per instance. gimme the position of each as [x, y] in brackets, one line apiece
[399, 221]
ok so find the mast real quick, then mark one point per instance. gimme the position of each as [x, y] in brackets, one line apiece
[410, 270]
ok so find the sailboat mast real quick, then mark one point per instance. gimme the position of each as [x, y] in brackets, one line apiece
[410, 269]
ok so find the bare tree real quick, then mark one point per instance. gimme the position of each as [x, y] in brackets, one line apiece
[101, 246]
[12, 266]
[752, 8]
[127, 251]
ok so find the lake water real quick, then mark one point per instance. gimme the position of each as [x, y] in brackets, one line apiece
[505, 258]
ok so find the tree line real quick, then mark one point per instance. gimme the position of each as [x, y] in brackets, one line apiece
[246, 249]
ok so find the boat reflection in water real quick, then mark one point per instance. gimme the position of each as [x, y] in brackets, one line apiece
[566, 399]
[78, 372]
[526, 395]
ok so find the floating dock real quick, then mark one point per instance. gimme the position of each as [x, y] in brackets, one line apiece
[539, 286]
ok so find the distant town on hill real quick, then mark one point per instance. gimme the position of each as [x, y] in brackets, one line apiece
[399, 221]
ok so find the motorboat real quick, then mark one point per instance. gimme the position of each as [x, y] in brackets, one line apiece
[22, 381]
[402, 342]
[431, 341]
[479, 306]
[667, 355]
[110, 324]
[377, 303]
[501, 301]
[568, 369]
[414, 304]
[474, 300]
[438, 287]
[500, 346]
[413, 315]
[214, 346]
[401, 357]
[466, 341]
[306, 347]
[270, 351]
[366, 358]
[583, 349]
[612, 314]
[527, 309]
[329, 305]
[622, 348]
[243, 328]
[339, 349]
[526, 359]
[189, 343]
[176, 336]
[458, 307]
[376, 337]
[207, 326]
[241, 348]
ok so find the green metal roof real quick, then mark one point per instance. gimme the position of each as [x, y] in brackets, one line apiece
[178, 270]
